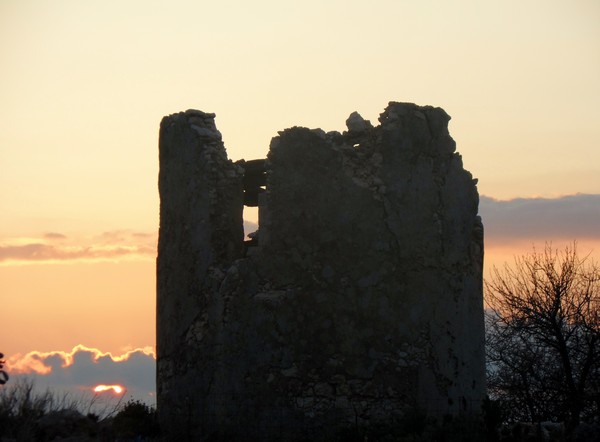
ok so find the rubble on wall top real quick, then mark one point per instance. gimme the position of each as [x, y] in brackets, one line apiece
[199, 113]
[395, 111]
[356, 123]
[203, 123]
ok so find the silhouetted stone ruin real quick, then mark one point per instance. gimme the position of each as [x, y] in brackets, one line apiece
[358, 300]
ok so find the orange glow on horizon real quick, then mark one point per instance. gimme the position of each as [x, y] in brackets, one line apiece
[117, 389]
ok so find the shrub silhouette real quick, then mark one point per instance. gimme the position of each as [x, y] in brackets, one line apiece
[28, 414]
[134, 420]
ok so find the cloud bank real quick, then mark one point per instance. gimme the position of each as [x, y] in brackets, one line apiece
[57, 247]
[573, 217]
[83, 368]
[568, 217]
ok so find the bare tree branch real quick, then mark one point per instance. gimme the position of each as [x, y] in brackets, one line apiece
[543, 335]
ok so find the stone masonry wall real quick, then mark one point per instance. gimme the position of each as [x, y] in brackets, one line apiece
[360, 298]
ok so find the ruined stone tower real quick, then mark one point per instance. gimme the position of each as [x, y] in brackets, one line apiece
[359, 299]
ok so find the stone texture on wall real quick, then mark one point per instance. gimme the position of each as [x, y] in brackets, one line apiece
[359, 299]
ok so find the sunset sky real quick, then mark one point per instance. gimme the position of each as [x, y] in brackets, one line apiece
[84, 85]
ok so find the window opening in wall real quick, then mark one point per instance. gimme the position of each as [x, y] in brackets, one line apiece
[250, 221]
[255, 181]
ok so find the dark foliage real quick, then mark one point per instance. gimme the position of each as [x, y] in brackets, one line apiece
[543, 337]
[135, 420]
[27, 414]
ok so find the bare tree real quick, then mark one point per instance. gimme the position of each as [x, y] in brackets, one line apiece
[543, 336]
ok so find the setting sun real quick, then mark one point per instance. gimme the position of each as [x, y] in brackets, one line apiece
[118, 389]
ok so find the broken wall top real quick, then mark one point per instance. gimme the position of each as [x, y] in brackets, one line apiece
[370, 202]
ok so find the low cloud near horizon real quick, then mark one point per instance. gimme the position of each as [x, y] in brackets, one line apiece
[83, 368]
[57, 247]
[572, 217]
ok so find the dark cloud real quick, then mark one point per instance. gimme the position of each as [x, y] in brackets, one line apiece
[108, 245]
[54, 235]
[569, 217]
[142, 235]
[27, 252]
[84, 368]
[114, 236]
[574, 217]
[46, 252]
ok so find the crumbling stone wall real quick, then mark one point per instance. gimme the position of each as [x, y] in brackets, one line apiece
[359, 298]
